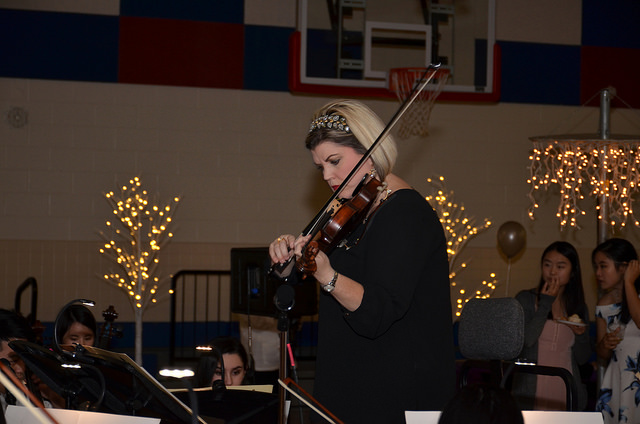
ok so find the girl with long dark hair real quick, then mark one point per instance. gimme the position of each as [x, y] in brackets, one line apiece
[556, 319]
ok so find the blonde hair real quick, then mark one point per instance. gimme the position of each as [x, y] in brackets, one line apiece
[364, 128]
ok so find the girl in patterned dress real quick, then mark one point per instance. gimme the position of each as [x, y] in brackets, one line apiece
[617, 270]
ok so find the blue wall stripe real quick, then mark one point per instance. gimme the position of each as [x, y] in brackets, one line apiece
[156, 334]
[65, 46]
[229, 11]
[266, 58]
[540, 73]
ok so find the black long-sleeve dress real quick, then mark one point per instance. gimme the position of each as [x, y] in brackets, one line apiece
[395, 352]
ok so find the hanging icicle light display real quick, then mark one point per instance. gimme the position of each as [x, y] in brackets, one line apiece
[602, 166]
[582, 166]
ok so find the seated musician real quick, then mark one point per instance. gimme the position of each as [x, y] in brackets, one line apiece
[234, 365]
[77, 325]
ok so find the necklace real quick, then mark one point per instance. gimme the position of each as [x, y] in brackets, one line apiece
[385, 191]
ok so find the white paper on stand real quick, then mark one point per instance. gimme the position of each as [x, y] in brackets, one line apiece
[530, 417]
[21, 415]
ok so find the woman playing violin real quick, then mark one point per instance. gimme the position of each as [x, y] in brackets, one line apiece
[385, 341]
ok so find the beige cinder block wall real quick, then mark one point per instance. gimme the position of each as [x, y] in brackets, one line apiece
[237, 159]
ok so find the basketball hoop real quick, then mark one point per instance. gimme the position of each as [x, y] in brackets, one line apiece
[402, 81]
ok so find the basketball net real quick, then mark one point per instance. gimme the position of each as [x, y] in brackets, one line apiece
[415, 121]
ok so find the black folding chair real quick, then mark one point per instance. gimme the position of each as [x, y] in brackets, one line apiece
[491, 336]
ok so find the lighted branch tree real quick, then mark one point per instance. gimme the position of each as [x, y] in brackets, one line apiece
[459, 229]
[133, 243]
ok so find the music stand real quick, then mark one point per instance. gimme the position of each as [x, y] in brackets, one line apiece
[234, 406]
[128, 388]
[75, 384]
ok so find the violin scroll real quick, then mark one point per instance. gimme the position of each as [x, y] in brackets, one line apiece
[108, 329]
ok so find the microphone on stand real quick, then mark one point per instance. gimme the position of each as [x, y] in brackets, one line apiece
[285, 298]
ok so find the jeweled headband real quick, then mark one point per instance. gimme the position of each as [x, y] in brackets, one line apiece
[330, 121]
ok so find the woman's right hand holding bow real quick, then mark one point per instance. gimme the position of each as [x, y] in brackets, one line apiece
[285, 248]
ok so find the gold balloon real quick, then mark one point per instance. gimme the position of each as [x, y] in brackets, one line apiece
[511, 238]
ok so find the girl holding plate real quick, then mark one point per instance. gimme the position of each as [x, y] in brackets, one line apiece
[556, 330]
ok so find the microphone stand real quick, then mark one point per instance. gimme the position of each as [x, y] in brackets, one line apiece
[179, 375]
[218, 387]
[284, 300]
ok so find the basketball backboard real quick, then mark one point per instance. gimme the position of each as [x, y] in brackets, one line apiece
[347, 47]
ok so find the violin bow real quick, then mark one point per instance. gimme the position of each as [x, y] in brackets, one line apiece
[321, 216]
[311, 228]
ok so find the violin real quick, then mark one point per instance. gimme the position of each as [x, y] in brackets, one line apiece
[334, 230]
[340, 224]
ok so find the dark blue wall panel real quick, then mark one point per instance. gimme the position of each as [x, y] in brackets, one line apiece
[611, 23]
[540, 73]
[229, 11]
[64, 46]
[266, 53]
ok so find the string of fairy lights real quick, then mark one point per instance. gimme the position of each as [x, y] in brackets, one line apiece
[459, 228]
[133, 241]
[604, 169]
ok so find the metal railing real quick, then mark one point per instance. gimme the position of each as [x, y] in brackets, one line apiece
[199, 311]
